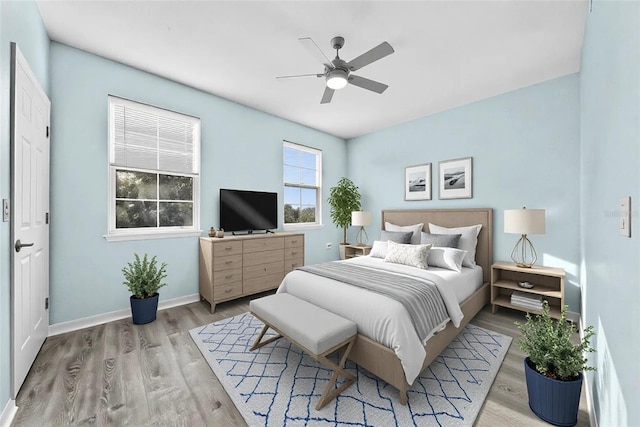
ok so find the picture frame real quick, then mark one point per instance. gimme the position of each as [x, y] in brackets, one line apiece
[417, 182]
[456, 178]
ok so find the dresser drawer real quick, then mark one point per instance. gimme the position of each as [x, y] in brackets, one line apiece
[292, 263]
[293, 242]
[293, 253]
[223, 277]
[256, 258]
[258, 284]
[226, 291]
[227, 262]
[265, 244]
[224, 248]
[262, 270]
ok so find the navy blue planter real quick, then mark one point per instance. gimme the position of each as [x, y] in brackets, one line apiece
[556, 402]
[143, 310]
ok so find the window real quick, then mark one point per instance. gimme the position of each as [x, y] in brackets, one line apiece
[302, 185]
[154, 172]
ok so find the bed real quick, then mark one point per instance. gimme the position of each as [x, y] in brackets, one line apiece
[372, 350]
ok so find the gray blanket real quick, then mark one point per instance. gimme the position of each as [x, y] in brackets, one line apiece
[420, 297]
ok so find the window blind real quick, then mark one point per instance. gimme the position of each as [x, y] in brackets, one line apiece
[146, 137]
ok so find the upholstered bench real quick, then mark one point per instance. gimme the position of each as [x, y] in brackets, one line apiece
[316, 331]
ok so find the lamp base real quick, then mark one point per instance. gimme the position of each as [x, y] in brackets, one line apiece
[359, 237]
[524, 254]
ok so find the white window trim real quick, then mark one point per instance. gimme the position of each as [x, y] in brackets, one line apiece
[123, 234]
[306, 225]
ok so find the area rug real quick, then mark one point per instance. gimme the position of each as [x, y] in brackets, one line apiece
[278, 385]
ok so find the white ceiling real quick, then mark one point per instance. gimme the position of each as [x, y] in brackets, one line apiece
[447, 53]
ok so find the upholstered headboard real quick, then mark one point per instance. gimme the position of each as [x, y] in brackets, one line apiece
[452, 218]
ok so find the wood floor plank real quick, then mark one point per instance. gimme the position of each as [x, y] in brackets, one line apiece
[154, 375]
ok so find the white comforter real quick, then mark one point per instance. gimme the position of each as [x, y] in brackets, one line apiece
[378, 317]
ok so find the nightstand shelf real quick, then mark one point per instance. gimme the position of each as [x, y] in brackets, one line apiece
[548, 282]
[352, 251]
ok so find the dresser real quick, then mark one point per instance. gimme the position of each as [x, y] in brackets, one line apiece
[235, 266]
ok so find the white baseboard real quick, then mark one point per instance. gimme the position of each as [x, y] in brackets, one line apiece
[8, 413]
[593, 421]
[87, 322]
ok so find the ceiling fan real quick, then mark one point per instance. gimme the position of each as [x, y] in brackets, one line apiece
[338, 72]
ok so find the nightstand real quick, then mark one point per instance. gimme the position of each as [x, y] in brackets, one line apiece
[548, 282]
[352, 251]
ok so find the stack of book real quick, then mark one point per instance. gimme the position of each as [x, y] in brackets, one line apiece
[526, 300]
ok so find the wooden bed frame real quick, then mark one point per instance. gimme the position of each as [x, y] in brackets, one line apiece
[382, 361]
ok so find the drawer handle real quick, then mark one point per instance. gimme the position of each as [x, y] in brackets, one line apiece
[294, 265]
[226, 291]
[228, 276]
[228, 262]
[294, 241]
[228, 248]
[294, 252]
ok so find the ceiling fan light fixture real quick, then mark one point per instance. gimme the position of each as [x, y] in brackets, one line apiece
[337, 79]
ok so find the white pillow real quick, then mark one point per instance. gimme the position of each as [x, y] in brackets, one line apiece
[416, 229]
[413, 255]
[468, 240]
[444, 257]
[379, 249]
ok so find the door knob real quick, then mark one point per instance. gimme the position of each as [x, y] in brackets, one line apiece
[19, 245]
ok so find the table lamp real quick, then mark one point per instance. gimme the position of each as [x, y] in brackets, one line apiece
[361, 219]
[524, 221]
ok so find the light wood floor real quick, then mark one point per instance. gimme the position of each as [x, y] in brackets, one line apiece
[124, 374]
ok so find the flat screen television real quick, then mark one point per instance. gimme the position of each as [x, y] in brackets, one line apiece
[248, 211]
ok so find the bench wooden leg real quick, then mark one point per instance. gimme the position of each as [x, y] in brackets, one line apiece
[330, 392]
[258, 344]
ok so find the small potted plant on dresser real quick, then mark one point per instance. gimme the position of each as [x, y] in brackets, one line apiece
[554, 366]
[143, 277]
[344, 198]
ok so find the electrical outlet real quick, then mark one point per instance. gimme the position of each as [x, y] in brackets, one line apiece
[6, 208]
[625, 216]
[328, 246]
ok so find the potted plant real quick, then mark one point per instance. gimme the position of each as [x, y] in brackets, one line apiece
[143, 277]
[554, 366]
[344, 198]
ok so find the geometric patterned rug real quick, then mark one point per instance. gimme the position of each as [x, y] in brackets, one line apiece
[278, 385]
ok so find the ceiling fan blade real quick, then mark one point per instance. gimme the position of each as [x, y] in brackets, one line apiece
[300, 75]
[367, 84]
[315, 50]
[327, 95]
[378, 52]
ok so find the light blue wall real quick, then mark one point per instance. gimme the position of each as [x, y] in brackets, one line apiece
[525, 149]
[20, 22]
[241, 148]
[610, 169]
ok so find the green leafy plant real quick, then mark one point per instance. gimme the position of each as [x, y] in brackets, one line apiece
[548, 342]
[344, 198]
[143, 277]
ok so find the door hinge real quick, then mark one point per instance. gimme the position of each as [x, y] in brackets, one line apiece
[46, 218]
[46, 303]
[47, 131]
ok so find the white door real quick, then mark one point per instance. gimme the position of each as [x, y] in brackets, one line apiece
[29, 216]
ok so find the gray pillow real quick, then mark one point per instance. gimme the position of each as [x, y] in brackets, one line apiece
[396, 236]
[440, 240]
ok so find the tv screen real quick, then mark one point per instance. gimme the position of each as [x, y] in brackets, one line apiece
[248, 210]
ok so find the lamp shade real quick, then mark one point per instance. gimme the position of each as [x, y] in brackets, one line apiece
[360, 218]
[524, 221]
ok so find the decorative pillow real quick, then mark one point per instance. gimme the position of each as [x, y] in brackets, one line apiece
[468, 240]
[449, 258]
[440, 240]
[396, 236]
[379, 249]
[413, 255]
[416, 229]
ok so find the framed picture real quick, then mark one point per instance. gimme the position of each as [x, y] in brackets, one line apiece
[456, 179]
[417, 182]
